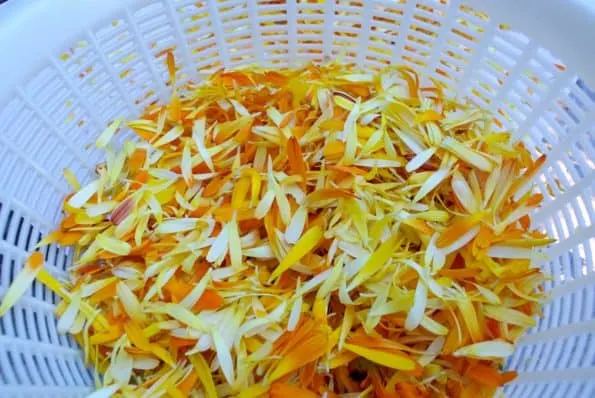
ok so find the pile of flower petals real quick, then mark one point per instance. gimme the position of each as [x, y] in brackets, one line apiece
[324, 231]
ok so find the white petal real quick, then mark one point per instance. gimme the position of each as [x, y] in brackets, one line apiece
[294, 315]
[105, 392]
[130, 302]
[416, 313]
[186, 164]
[82, 196]
[224, 357]
[296, 226]
[432, 351]
[176, 225]
[198, 133]
[486, 349]
[107, 134]
[121, 369]
[264, 252]
[420, 159]
[431, 183]
[220, 245]
[145, 363]
[173, 134]
[101, 208]
[464, 193]
[503, 251]
[68, 317]
[265, 204]
[378, 163]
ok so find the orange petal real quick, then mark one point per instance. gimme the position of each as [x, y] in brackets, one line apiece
[461, 273]
[527, 175]
[330, 193]
[240, 78]
[142, 177]
[243, 134]
[297, 165]
[348, 169]
[175, 108]
[488, 375]
[215, 185]
[144, 134]
[185, 387]
[412, 80]
[171, 66]
[305, 352]
[68, 222]
[284, 390]
[407, 390]
[210, 300]
[456, 230]
[288, 340]
[35, 260]
[104, 293]
[225, 214]
[275, 78]
[69, 238]
[136, 160]
[178, 342]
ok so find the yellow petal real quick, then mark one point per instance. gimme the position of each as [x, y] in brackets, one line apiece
[253, 391]
[384, 358]
[470, 318]
[235, 247]
[375, 262]
[130, 302]
[81, 197]
[203, 371]
[108, 133]
[72, 180]
[303, 246]
[467, 154]
[509, 315]
[113, 245]
[22, 282]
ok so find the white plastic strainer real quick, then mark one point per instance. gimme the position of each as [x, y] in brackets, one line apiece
[68, 67]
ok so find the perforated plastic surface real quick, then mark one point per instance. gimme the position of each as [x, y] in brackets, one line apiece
[113, 67]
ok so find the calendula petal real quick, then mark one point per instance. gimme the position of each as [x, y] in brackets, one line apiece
[105, 137]
[310, 349]
[83, 195]
[303, 246]
[22, 282]
[486, 349]
[385, 358]
[278, 232]
[375, 262]
[204, 374]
